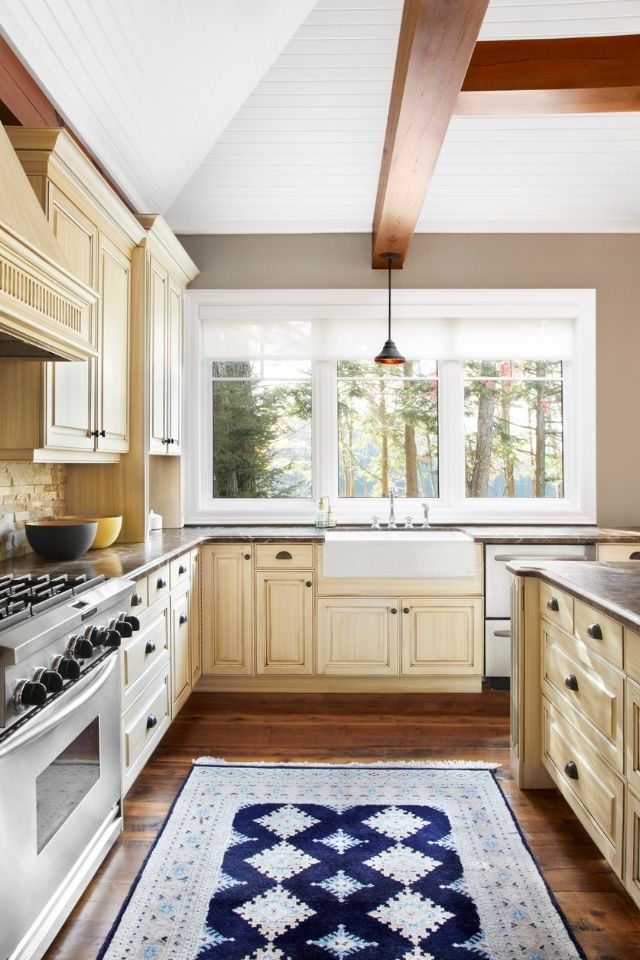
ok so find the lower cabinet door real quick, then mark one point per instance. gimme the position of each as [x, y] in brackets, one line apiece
[180, 652]
[196, 649]
[284, 622]
[442, 636]
[227, 608]
[632, 846]
[358, 637]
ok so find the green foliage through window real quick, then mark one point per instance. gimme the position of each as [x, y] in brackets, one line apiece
[513, 429]
[387, 429]
[261, 429]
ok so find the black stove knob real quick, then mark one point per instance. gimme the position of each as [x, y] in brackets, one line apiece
[109, 638]
[68, 668]
[51, 679]
[29, 693]
[124, 629]
[91, 633]
[81, 648]
[133, 622]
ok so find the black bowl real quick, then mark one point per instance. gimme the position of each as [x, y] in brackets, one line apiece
[60, 539]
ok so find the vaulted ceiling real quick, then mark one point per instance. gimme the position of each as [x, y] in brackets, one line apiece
[263, 117]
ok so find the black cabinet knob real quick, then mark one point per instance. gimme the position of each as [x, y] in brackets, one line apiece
[103, 433]
[161, 583]
[393, 610]
[172, 440]
[594, 630]
[150, 647]
[571, 682]
[67, 667]
[571, 770]
[136, 600]
[553, 604]
[406, 610]
[182, 619]
[94, 433]
[247, 556]
[151, 721]
[182, 569]
[308, 583]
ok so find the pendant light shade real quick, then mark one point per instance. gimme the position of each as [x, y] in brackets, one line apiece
[390, 353]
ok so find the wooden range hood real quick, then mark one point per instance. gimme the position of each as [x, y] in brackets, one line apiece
[45, 311]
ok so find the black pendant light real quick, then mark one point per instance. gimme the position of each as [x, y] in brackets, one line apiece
[390, 353]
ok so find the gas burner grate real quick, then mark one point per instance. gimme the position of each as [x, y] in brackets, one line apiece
[29, 594]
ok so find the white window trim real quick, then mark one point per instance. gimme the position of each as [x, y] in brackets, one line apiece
[579, 504]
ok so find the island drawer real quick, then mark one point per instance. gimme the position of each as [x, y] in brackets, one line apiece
[146, 720]
[158, 584]
[139, 599]
[141, 651]
[590, 787]
[599, 632]
[179, 570]
[618, 551]
[279, 556]
[556, 607]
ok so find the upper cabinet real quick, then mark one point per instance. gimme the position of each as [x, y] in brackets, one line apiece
[77, 412]
[164, 274]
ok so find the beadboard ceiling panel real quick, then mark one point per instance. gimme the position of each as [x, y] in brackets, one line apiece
[303, 152]
[149, 85]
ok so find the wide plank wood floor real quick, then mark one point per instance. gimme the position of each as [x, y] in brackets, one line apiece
[339, 727]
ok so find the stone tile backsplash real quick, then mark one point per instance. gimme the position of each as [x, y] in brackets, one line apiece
[28, 491]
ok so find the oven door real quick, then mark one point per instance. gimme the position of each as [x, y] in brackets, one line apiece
[59, 808]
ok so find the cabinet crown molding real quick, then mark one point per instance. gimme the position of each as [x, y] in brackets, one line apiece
[163, 244]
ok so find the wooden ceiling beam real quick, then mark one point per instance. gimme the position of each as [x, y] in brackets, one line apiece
[21, 95]
[572, 75]
[437, 39]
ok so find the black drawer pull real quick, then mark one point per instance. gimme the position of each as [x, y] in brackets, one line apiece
[307, 583]
[136, 600]
[635, 555]
[283, 555]
[571, 770]
[594, 631]
[182, 619]
[393, 610]
[182, 569]
[553, 604]
[161, 583]
[406, 610]
[150, 647]
[247, 556]
[571, 682]
[151, 721]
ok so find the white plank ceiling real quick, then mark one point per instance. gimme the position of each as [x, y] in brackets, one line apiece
[268, 116]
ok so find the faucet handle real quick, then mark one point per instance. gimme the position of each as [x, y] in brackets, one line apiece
[425, 512]
[374, 523]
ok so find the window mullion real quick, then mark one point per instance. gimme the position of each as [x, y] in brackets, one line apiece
[451, 424]
[325, 430]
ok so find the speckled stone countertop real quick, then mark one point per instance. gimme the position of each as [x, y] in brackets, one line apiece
[613, 588]
[134, 559]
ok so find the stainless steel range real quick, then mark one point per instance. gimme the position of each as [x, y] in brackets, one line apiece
[60, 773]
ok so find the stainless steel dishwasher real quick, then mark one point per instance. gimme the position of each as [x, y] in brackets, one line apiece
[497, 597]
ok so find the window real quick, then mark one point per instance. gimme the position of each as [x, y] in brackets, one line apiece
[261, 429]
[284, 405]
[387, 429]
[513, 428]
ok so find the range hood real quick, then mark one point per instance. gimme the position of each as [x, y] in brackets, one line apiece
[45, 311]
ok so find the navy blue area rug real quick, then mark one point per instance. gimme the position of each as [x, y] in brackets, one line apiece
[355, 862]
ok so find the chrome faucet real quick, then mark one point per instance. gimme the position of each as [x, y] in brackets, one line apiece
[392, 512]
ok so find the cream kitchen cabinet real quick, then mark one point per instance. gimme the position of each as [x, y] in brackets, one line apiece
[227, 609]
[165, 328]
[78, 412]
[180, 649]
[194, 632]
[358, 636]
[442, 636]
[284, 622]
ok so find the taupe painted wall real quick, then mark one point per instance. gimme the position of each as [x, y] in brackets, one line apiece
[610, 263]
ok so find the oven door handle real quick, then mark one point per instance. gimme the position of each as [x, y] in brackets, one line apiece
[82, 691]
[508, 557]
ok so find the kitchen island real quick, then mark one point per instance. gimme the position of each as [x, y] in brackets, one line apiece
[575, 704]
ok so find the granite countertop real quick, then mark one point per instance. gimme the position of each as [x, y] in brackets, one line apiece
[134, 559]
[613, 588]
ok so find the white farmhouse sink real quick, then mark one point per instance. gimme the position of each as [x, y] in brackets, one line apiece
[397, 553]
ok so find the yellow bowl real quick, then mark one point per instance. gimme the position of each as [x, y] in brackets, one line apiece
[107, 532]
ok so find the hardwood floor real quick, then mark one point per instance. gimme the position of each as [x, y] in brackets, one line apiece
[362, 727]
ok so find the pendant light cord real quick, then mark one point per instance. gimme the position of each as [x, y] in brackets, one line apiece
[389, 296]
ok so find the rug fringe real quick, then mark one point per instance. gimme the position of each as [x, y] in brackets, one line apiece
[432, 764]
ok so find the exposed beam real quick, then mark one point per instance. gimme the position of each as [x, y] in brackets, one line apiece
[437, 38]
[575, 75]
[21, 95]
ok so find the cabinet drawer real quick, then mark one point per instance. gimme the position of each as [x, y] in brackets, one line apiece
[279, 556]
[618, 551]
[179, 570]
[591, 687]
[145, 719]
[600, 633]
[146, 647]
[158, 584]
[556, 607]
[589, 786]
[632, 654]
[140, 597]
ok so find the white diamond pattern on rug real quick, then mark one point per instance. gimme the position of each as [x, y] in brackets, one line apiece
[402, 864]
[287, 821]
[211, 938]
[416, 954]
[395, 823]
[341, 943]
[235, 839]
[340, 841]
[225, 882]
[274, 911]
[266, 953]
[281, 861]
[411, 915]
[341, 885]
